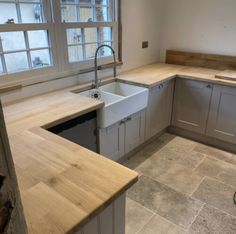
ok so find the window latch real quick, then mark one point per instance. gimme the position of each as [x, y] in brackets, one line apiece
[10, 21]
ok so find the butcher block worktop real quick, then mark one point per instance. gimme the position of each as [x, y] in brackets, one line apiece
[62, 184]
[154, 74]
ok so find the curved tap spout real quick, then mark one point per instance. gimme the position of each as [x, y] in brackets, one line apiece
[96, 63]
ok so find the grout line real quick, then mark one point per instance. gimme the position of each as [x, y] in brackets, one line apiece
[212, 157]
[207, 204]
[205, 156]
[204, 177]
[141, 205]
[219, 180]
[145, 223]
[196, 216]
[221, 211]
[213, 178]
[168, 186]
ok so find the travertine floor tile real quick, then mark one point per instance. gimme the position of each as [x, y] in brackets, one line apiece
[171, 169]
[158, 225]
[213, 221]
[216, 153]
[209, 167]
[217, 194]
[136, 216]
[189, 159]
[168, 203]
[179, 144]
[228, 176]
[222, 171]
[172, 174]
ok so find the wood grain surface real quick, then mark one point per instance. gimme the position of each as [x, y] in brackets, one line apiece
[63, 185]
[12, 218]
[213, 61]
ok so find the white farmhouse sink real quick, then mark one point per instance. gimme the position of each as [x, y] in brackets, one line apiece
[121, 100]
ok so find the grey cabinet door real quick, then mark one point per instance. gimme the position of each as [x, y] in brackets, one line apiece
[191, 105]
[222, 117]
[111, 141]
[159, 109]
[134, 131]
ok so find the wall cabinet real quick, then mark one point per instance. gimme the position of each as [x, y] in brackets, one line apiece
[222, 115]
[191, 105]
[121, 138]
[159, 109]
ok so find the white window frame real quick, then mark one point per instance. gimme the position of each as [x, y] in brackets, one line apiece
[61, 33]
[40, 73]
[59, 53]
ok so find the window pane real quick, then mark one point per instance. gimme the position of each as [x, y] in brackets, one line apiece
[69, 13]
[103, 2]
[106, 51]
[16, 62]
[90, 50]
[74, 36]
[12, 41]
[8, 13]
[86, 14]
[31, 13]
[90, 35]
[69, 1]
[40, 58]
[38, 38]
[36, 1]
[102, 14]
[85, 1]
[105, 34]
[75, 53]
[1, 68]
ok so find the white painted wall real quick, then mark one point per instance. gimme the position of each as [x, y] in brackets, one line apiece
[141, 22]
[207, 26]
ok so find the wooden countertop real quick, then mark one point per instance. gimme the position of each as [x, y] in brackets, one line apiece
[62, 184]
[151, 75]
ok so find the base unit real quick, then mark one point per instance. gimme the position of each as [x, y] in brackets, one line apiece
[191, 105]
[109, 221]
[112, 141]
[121, 138]
[158, 115]
[222, 116]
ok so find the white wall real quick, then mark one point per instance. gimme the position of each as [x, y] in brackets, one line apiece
[207, 26]
[141, 22]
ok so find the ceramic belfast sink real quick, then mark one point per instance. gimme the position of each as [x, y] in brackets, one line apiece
[121, 100]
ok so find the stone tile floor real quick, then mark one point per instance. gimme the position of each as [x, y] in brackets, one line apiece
[183, 187]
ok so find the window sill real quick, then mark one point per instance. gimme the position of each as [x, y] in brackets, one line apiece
[6, 89]
[13, 85]
[101, 67]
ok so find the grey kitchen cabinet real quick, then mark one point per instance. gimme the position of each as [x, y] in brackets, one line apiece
[222, 116]
[111, 141]
[110, 220]
[158, 115]
[191, 105]
[134, 131]
[119, 139]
